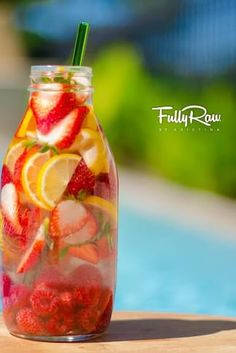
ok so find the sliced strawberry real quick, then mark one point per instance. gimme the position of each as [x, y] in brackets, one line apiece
[49, 107]
[29, 218]
[32, 254]
[63, 134]
[10, 205]
[87, 252]
[6, 176]
[28, 322]
[68, 217]
[89, 230]
[20, 164]
[82, 179]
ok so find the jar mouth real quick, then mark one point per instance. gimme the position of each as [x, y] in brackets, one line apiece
[39, 70]
[60, 78]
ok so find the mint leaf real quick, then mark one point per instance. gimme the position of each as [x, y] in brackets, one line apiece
[44, 149]
[46, 79]
[63, 252]
[30, 144]
[47, 148]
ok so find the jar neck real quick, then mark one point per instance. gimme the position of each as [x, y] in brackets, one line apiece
[61, 78]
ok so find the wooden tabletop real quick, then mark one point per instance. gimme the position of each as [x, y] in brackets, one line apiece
[143, 332]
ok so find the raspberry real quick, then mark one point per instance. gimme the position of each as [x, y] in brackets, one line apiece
[19, 296]
[6, 285]
[77, 297]
[89, 281]
[87, 320]
[67, 301]
[105, 316]
[59, 324]
[28, 322]
[44, 301]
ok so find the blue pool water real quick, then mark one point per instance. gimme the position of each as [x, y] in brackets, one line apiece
[166, 267]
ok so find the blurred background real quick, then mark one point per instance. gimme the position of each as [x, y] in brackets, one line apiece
[177, 217]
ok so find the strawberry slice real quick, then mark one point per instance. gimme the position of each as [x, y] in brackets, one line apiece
[49, 107]
[10, 205]
[31, 256]
[63, 134]
[6, 176]
[20, 162]
[29, 218]
[86, 233]
[87, 252]
[68, 217]
[82, 179]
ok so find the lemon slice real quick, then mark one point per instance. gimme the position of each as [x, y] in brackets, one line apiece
[90, 121]
[30, 174]
[55, 176]
[92, 149]
[13, 154]
[105, 205]
[28, 124]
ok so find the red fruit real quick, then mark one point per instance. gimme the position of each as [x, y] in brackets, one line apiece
[51, 107]
[86, 252]
[88, 231]
[32, 254]
[68, 217]
[9, 229]
[82, 179]
[59, 324]
[89, 281]
[66, 301]
[105, 317]
[63, 134]
[19, 296]
[28, 322]
[106, 185]
[30, 220]
[77, 297]
[87, 320]
[10, 205]
[6, 176]
[20, 164]
[6, 285]
[52, 278]
[44, 301]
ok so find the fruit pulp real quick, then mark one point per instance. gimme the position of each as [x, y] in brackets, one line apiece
[59, 219]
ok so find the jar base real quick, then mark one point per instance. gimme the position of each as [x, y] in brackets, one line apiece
[66, 339]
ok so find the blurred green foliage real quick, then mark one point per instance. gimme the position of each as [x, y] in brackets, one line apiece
[124, 97]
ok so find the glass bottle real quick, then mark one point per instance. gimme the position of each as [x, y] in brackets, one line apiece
[59, 213]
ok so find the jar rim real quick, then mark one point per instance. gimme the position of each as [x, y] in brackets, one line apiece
[60, 69]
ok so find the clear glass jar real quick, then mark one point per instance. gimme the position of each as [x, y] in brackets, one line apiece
[59, 212]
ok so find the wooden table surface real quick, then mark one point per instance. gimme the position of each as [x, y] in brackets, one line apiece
[143, 332]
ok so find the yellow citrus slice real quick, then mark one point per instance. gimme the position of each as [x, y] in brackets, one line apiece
[92, 149]
[90, 121]
[27, 125]
[30, 174]
[105, 205]
[13, 154]
[54, 177]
